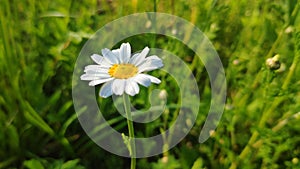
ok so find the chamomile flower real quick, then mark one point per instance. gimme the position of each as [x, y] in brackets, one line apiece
[120, 72]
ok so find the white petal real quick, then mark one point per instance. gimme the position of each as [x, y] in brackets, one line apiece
[106, 89]
[106, 64]
[133, 58]
[153, 57]
[116, 52]
[139, 58]
[94, 76]
[96, 68]
[153, 79]
[96, 71]
[150, 65]
[109, 56]
[118, 86]
[97, 58]
[125, 52]
[92, 67]
[99, 81]
[142, 80]
[131, 88]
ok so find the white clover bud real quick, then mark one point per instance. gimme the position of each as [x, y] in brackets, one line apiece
[174, 31]
[297, 115]
[273, 63]
[189, 122]
[289, 30]
[165, 159]
[148, 24]
[212, 133]
[214, 26]
[163, 94]
[236, 61]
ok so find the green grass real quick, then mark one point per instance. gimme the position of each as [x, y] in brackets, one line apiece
[40, 41]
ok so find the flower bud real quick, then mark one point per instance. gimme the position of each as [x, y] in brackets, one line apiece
[163, 94]
[273, 63]
[236, 62]
[289, 29]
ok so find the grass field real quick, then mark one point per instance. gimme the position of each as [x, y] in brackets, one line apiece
[260, 126]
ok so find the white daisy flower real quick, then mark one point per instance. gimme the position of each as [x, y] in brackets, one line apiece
[120, 72]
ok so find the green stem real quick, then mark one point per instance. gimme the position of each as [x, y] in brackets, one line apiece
[154, 6]
[131, 131]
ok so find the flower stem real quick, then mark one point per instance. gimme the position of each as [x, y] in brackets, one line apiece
[131, 130]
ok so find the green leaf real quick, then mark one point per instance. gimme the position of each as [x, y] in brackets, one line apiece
[198, 163]
[34, 118]
[33, 164]
[13, 137]
[126, 140]
[167, 162]
[72, 164]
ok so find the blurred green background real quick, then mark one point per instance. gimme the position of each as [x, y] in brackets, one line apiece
[260, 127]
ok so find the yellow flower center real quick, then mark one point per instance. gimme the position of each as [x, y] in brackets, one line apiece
[122, 71]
